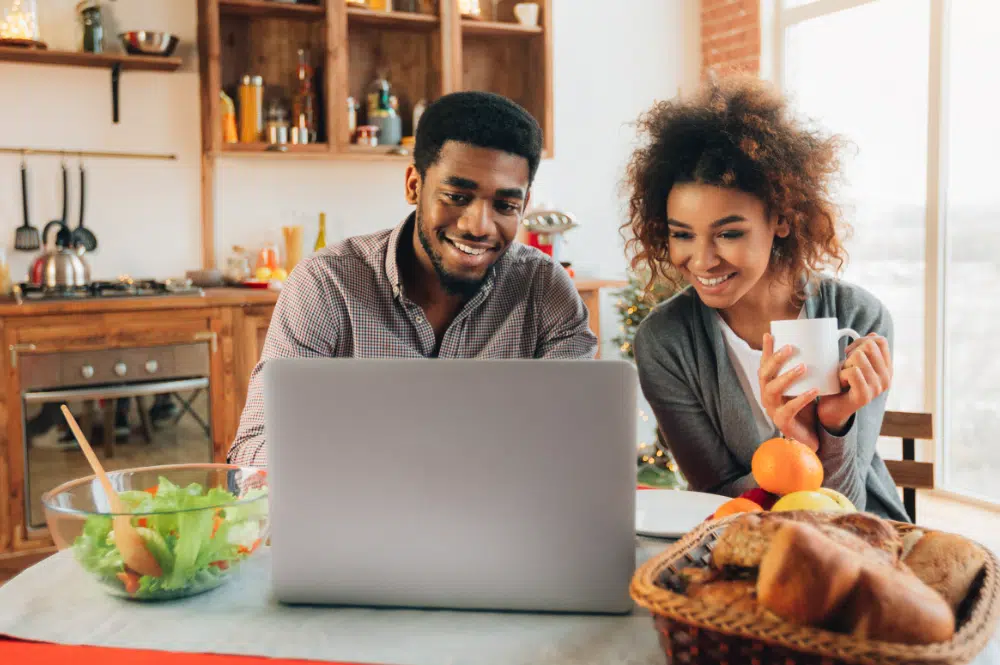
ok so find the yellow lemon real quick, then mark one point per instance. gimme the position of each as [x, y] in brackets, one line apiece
[263, 273]
[279, 274]
[807, 500]
[842, 500]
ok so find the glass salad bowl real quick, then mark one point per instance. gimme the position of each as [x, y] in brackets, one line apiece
[199, 521]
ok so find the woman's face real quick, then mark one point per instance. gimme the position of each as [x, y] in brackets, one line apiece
[720, 240]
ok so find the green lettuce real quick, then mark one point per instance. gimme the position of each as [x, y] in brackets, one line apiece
[194, 545]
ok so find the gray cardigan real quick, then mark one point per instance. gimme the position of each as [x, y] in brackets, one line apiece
[705, 416]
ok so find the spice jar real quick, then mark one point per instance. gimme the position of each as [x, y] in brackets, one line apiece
[277, 125]
[251, 99]
[368, 135]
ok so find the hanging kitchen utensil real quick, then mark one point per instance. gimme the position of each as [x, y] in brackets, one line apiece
[27, 238]
[64, 237]
[83, 237]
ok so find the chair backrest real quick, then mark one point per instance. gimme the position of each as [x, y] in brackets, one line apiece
[907, 473]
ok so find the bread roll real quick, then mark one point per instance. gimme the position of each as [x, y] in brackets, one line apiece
[946, 563]
[745, 541]
[805, 577]
[892, 605]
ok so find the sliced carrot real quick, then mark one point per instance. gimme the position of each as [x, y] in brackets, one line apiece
[142, 522]
[216, 523]
[130, 580]
[243, 549]
[220, 564]
[152, 490]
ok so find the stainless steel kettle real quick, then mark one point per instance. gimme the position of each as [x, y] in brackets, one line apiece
[60, 267]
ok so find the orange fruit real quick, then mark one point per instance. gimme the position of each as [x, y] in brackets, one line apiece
[734, 506]
[782, 466]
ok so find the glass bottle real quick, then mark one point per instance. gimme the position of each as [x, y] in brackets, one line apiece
[93, 26]
[379, 92]
[321, 236]
[304, 100]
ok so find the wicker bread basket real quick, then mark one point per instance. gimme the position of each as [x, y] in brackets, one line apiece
[695, 633]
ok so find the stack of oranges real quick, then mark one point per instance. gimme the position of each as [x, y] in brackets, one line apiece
[790, 477]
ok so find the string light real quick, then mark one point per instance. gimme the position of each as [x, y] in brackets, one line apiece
[18, 23]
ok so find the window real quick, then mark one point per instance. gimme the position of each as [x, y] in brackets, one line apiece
[874, 94]
[864, 69]
[971, 386]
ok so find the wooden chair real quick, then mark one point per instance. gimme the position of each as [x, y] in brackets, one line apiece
[907, 473]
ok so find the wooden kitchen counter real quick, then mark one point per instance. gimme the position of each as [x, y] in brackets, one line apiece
[221, 297]
[216, 297]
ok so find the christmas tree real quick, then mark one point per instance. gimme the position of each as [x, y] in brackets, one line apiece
[657, 467]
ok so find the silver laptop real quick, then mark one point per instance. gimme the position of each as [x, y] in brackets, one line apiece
[462, 484]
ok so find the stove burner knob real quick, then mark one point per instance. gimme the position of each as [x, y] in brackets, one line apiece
[87, 371]
[152, 366]
[121, 369]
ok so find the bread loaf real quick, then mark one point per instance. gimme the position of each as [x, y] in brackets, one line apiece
[946, 563]
[805, 577]
[892, 605]
[747, 539]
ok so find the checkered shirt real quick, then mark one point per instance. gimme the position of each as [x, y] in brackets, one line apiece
[347, 301]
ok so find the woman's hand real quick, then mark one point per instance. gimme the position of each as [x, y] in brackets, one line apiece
[794, 417]
[866, 374]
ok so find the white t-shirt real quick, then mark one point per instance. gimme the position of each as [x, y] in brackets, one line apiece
[746, 362]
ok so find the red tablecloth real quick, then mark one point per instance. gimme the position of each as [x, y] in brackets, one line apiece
[37, 653]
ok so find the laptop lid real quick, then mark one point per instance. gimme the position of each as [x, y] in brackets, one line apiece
[464, 484]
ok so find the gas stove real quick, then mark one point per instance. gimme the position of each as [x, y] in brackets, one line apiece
[121, 288]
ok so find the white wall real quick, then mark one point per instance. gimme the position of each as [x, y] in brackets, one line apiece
[610, 64]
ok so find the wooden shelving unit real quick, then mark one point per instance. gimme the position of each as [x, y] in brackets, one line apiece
[271, 8]
[127, 62]
[500, 28]
[423, 55]
[392, 19]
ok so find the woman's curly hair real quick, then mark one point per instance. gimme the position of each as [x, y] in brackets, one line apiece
[737, 132]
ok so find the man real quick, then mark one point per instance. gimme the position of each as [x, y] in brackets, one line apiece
[449, 281]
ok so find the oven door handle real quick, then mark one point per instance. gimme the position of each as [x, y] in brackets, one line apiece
[15, 349]
[114, 392]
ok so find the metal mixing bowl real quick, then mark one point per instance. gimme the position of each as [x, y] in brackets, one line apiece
[149, 42]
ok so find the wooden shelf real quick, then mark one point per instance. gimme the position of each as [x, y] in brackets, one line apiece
[101, 60]
[271, 9]
[380, 153]
[267, 150]
[474, 27]
[402, 20]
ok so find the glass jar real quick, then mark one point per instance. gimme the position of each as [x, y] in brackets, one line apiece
[93, 26]
[19, 22]
[368, 135]
[238, 265]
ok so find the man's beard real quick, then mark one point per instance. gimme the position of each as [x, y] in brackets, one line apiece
[453, 284]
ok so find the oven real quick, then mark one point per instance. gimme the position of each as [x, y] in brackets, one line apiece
[139, 406]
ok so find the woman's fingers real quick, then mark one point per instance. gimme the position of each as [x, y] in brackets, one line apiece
[770, 364]
[774, 390]
[784, 416]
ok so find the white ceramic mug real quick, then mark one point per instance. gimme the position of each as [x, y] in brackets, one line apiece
[817, 346]
[526, 13]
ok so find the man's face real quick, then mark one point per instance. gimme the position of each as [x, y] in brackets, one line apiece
[469, 206]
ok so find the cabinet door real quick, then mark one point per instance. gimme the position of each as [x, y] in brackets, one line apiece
[250, 331]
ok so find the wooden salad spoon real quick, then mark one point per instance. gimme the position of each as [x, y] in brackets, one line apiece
[128, 541]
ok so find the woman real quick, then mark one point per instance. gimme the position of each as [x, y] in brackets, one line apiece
[731, 195]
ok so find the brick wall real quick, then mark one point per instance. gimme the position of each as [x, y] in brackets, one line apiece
[730, 35]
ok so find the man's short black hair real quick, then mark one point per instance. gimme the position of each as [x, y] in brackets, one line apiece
[481, 119]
